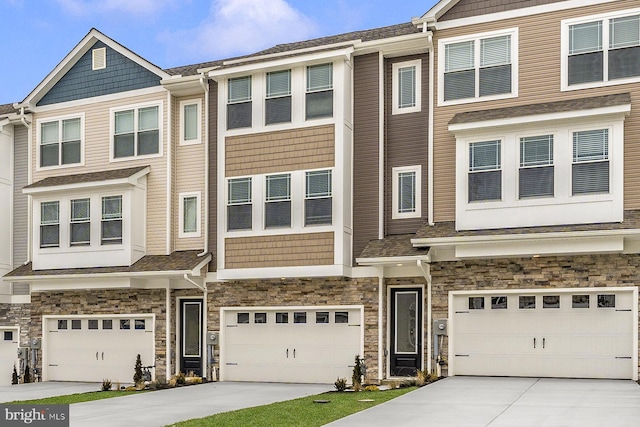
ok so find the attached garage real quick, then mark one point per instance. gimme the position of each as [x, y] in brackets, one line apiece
[9, 342]
[92, 348]
[290, 344]
[575, 333]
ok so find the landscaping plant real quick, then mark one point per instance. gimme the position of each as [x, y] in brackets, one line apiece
[356, 378]
[14, 376]
[106, 384]
[341, 384]
[137, 375]
[27, 374]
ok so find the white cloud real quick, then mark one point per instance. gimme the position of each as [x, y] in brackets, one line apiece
[236, 27]
[93, 7]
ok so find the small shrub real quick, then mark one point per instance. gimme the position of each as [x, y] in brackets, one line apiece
[341, 384]
[356, 387]
[14, 376]
[27, 374]
[173, 382]
[422, 377]
[137, 374]
[193, 380]
[140, 386]
[106, 384]
[393, 385]
[356, 377]
[180, 378]
[372, 387]
[130, 388]
[118, 387]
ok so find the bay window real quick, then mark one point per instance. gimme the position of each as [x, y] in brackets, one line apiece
[111, 226]
[536, 174]
[590, 168]
[50, 224]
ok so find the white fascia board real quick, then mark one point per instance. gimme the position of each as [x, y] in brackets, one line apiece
[281, 62]
[282, 272]
[176, 274]
[197, 270]
[439, 9]
[129, 95]
[180, 84]
[401, 44]
[621, 110]
[392, 261]
[130, 181]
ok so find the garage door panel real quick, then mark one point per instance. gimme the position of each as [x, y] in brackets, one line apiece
[8, 353]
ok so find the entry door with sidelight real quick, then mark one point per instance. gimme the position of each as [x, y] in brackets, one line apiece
[406, 331]
[191, 336]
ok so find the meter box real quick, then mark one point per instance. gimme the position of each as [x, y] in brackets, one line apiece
[440, 327]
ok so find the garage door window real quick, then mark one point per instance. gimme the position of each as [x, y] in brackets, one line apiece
[8, 335]
[139, 324]
[76, 324]
[580, 301]
[300, 317]
[260, 318]
[243, 318]
[282, 317]
[476, 303]
[551, 301]
[499, 303]
[62, 324]
[125, 324]
[107, 324]
[92, 324]
[606, 301]
[341, 317]
[527, 302]
[322, 317]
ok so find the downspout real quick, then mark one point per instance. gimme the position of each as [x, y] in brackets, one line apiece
[381, 354]
[29, 172]
[169, 139]
[167, 303]
[203, 337]
[381, 155]
[432, 74]
[205, 85]
[426, 271]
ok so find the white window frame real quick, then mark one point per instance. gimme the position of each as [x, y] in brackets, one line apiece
[101, 240]
[395, 92]
[59, 119]
[513, 32]
[181, 198]
[228, 202]
[136, 107]
[564, 48]
[395, 208]
[198, 139]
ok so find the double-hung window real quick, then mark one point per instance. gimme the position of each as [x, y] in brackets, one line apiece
[111, 227]
[318, 200]
[278, 201]
[136, 132]
[190, 127]
[278, 99]
[406, 87]
[80, 222]
[189, 213]
[590, 168]
[50, 224]
[319, 95]
[536, 174]
[477, 68]
[604, 50]
[406, 192]
[485, 172]
[239, 103]
[60, 142]
[239, 205]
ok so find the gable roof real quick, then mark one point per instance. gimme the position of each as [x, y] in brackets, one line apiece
[83, 178]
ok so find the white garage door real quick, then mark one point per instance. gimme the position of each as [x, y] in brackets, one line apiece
[577, 334]
[8, 353]
[303, 345]
[92, 349]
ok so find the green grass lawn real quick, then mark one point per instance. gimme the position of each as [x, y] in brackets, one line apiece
[74, 398]
[299, 412]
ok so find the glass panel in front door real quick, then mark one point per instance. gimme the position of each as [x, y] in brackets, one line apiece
[406, 322]
[191, 333]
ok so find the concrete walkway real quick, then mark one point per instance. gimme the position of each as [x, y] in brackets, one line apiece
[513, 402]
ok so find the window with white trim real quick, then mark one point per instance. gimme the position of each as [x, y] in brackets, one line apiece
[80, 229]
[485, 171]
[482, 66]
[318, 201]
[278, 98]
[189, 215]
[406, 192]
[277, 211]
[319, 94]
[111, 224]
[60, 142]
[190, 122]
[406, 91]
[602, 50]
[50, 224]
[239, 107]
[590, 168]
[239, 204]
[536, 173]
[136, 132]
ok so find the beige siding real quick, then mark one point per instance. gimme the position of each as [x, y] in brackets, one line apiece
[539, 76]
[468, 8]
[96, 158]
[271, 152]
[20, 200]
[279, 251]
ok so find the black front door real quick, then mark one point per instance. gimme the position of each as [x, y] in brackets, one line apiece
[191, 336]
[406, 331]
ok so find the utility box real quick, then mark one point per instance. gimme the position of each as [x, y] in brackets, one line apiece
[23, 352]
[36, 343]
[440, 327]
[212, 338]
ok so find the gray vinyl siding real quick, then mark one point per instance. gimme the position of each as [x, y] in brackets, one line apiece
[468, 8]
[213, 171]
[366, 151]
[20, 204]
[405, 145]
[120, 75]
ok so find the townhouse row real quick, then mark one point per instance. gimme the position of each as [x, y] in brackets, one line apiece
[459, 193]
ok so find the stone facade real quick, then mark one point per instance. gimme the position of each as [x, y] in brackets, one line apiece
[20, 315]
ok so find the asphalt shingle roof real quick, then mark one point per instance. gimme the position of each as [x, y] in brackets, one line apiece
[392, 246]
[86, 177]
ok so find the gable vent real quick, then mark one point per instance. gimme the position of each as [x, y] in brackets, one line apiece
[99, 59]
[20, 289]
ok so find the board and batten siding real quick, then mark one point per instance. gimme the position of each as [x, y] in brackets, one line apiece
[366, 150]
[188, 176]
[286, 250]
[97, 139]
[539, 81]
[20, 200]
[406, 145]
[469, 8]
[281, 151]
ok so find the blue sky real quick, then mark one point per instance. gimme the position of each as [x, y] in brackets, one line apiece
[37, 34]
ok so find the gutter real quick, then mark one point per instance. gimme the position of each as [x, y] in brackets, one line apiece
[205, 228]
[430, 124]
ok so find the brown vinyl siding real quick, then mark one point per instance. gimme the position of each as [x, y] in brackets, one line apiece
[366, 123]
[288, 250]
[539, 81]
[405, 145]
[469, 8]
[20, 201]
[213, 172]
[272, 152]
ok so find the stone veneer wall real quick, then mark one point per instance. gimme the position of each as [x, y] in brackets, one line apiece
[303, 292]
[530, 273]
[96, 301]
[20, 315]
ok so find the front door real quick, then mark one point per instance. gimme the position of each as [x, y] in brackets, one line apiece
[191, 336]
[406, 331]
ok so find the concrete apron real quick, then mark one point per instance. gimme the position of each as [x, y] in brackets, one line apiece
[41, 390]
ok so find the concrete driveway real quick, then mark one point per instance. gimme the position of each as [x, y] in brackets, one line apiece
[502, 402]
[9, 393]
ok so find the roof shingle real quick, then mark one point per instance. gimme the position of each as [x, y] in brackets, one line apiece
[86, 177]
